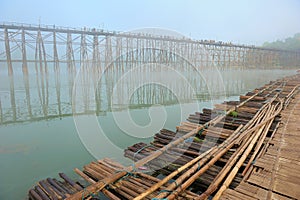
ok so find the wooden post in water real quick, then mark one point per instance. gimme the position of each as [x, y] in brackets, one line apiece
[57, 73]
[37, 71]
[44, 55]
[84, 72]
[8, 55]
[71, 65]
[10, 74]
[41, 75]
[26, 74]
[96, 73]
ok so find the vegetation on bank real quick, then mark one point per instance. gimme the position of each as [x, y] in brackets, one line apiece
[291, 43]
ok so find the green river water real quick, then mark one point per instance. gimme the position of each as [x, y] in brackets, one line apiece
[32, 149]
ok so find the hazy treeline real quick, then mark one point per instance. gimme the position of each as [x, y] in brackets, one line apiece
[290, 43]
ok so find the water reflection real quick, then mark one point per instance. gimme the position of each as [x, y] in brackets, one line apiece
[47, 90]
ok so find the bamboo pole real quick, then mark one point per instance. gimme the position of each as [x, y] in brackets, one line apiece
[213, 186]
[269, 140]
[258, 145]
[216, 154]
[290, 95]
[255, 121]
[174, 173]
[242, 159]
[196, 175]
[248, 131]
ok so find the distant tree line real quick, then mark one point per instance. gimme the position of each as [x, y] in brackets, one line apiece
[291, 43]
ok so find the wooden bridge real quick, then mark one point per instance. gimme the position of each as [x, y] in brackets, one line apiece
[41, 62]
[245, 149]
[89, 46]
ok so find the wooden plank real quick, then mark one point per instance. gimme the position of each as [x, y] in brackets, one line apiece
[287, 188]
[236, 195]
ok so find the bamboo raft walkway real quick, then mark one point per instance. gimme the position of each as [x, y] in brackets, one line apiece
[247, 149]
[275, 174]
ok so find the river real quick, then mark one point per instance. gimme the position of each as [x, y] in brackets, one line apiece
[49, 127]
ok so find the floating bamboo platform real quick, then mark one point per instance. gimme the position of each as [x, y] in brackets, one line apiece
[246, 149]
[274, 174]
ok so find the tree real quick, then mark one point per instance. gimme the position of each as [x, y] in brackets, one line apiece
[291, 43]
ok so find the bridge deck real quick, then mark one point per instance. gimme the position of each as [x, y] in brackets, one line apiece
[244, 154]
[101, 32]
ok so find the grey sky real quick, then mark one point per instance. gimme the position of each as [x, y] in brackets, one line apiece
[238, 21]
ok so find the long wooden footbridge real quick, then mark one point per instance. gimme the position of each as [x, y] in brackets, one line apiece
[43, 64]
[246, 149]
[40, 44]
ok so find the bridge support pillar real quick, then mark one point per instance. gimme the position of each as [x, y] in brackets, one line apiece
[10, 74]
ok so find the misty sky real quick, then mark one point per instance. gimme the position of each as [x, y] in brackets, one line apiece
[238, 21]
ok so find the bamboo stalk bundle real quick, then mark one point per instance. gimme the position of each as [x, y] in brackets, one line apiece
[48, 191]
[269, 140]
[53, 189]
[58, 187]
[195, 176]
[41, 193]
[57, 192]
[69, 190]
[195, 145]
[290, 95]
[68, 180]
[259, 144]
[131, 186]
[191, 180]
[105, 191]
[34, 195]
[215, 153]
[244, 156]
[213, 186]
[173, 174]
[168, 157]
[96, 171]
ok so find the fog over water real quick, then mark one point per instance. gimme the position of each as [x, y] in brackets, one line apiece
[52, 126]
